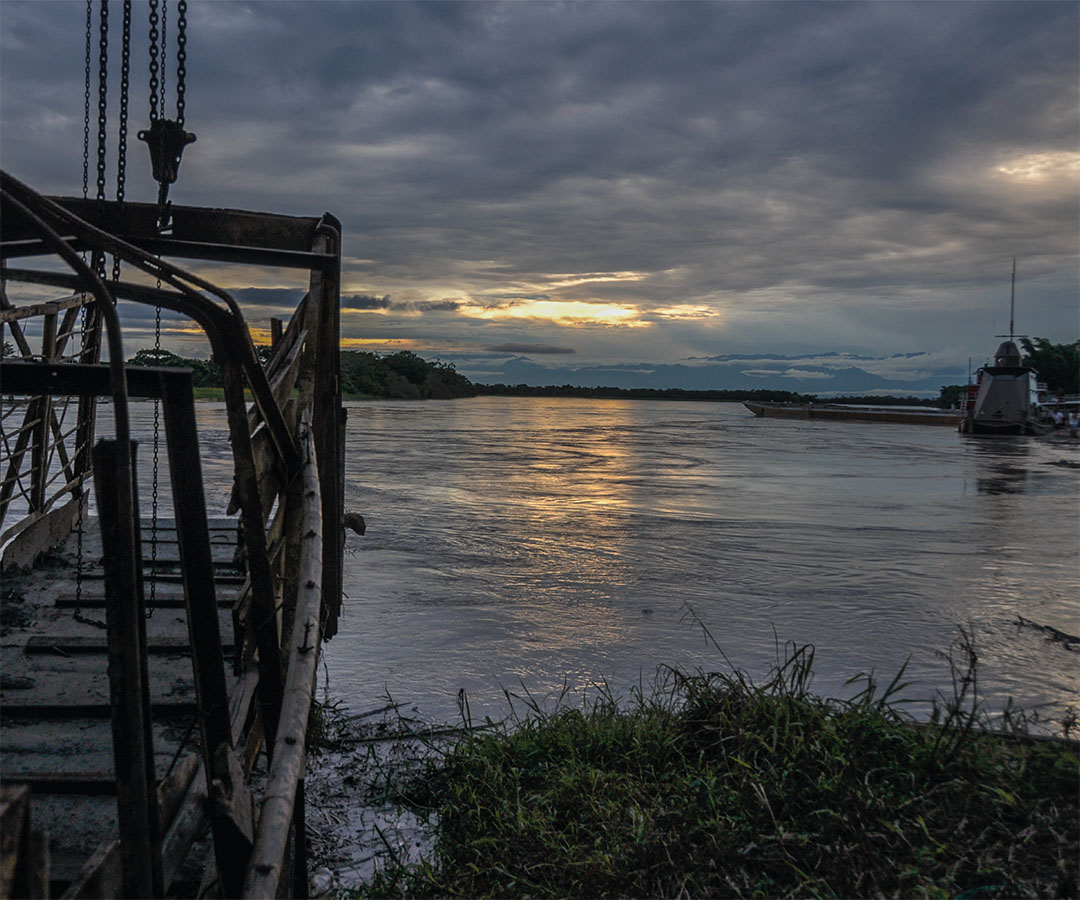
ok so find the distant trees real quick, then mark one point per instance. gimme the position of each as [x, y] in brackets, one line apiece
[205, 372]
[401, 376]
[616, 393]
[1057, 364]
[951, 395]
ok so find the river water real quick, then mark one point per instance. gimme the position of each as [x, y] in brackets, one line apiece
[547, 544]
[530, 543]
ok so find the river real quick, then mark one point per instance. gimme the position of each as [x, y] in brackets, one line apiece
[539, 544]
[543, 544]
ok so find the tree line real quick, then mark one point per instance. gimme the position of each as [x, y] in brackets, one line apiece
[399, 376]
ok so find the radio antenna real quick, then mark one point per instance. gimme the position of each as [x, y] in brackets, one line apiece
[1012, 300]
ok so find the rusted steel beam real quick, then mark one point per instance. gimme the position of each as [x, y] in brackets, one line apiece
[136, 800]
[267, 864]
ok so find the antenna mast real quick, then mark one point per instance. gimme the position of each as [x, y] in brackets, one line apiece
[1012, 300]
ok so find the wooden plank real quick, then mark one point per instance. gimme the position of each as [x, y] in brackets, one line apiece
[78, 643]
[70, 601]
[39, 441]
[12, 313]
[88, 783]
[230, 814]
[184, 827]
[16, 709]
[102, 876]
[140, 836]
[268, 866]
[326, 422]
[220, 578]
[132, 221]
[14, 823]
[24, 850]
[263, 602]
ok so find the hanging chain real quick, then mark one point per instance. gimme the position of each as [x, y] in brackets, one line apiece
[86, 100]
[154, 482]
[81, 488]
[181, 59]
[164, 53]
[103, 76]
[121, 149]
[157, 102]
[153, 60]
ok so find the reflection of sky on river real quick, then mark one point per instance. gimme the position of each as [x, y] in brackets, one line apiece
[543, 543]
[558, 542]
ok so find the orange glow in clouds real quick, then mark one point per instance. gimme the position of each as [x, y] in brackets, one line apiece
[562, 312]
[394, 344]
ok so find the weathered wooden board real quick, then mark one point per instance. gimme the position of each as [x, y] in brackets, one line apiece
[55, 704]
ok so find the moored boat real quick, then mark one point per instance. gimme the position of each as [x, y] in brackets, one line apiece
[1004, 400]
[837, 412]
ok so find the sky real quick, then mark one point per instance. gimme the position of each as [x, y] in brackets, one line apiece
[699, 194]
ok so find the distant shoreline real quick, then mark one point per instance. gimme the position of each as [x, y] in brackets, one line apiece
[716, 396]
[216, 394]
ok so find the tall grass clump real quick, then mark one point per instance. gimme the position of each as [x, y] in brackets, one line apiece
[716, 786]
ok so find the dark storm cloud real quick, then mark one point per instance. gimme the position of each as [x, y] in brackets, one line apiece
[815, 172]
[365, 301]
[370, 302]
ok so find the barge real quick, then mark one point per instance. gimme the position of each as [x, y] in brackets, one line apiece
[897, 415]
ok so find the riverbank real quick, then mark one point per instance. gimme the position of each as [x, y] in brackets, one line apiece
[715, 786]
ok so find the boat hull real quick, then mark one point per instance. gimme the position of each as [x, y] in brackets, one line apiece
[1004, 429]
[896, 415]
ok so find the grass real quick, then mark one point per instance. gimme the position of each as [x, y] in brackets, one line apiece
[715, 786]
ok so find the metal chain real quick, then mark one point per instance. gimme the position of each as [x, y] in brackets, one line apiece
[153, 60]
[81, 488]
[164, 54]
[154, 483]
[121, 150]
[86, 100]
[103, 77]
[181, 59]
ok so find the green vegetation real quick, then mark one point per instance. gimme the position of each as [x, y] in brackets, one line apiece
[952, 395]
[717, 787]
[1057, 364]
[400, 376]
[205, 372]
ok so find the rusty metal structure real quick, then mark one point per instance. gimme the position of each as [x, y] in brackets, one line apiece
[269, 570]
